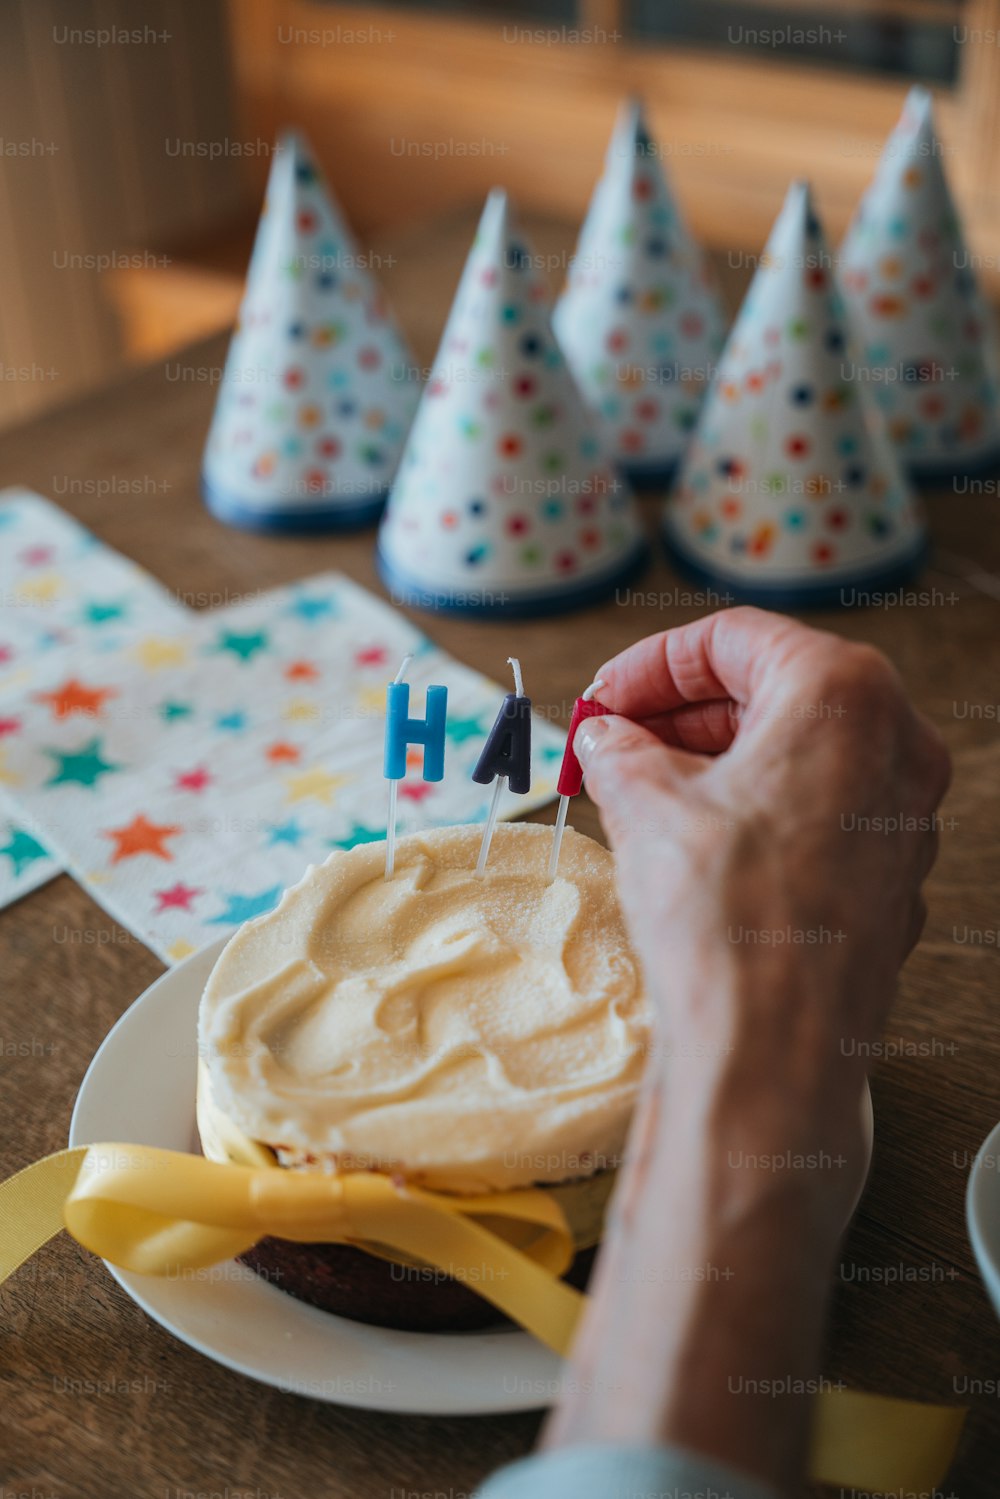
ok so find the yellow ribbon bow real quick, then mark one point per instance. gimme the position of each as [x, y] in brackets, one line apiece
[159, 1212]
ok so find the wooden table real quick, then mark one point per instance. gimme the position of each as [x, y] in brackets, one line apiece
[148, 1416]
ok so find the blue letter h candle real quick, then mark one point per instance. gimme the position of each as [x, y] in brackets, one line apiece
[401, 731]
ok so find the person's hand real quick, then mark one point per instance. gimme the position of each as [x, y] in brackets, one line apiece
[770, 797]
[769, 794]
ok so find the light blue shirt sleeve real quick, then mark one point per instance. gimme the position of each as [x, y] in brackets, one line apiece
[608, 1471]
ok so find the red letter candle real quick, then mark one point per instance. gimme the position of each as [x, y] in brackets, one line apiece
[570, 780]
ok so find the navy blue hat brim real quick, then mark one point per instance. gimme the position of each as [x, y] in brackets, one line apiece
[808, 591]
[508, 603]
[327, 514]
[944, 470]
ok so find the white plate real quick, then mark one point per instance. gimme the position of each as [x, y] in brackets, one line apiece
[140, 1089]
[982, 1213]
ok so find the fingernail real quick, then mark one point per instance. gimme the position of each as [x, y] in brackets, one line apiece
[587, 736]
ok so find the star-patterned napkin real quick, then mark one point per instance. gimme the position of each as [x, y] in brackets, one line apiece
[61, 590]
[190, 774]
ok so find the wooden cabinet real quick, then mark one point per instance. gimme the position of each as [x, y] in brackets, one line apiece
[416, 109]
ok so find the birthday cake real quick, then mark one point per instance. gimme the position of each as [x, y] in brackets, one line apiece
[462, 1033]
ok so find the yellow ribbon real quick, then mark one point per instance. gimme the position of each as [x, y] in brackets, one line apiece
[159, 1212]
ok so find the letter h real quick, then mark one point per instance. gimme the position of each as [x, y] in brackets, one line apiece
[401, 731]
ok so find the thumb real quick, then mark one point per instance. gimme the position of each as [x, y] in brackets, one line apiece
[628, 773]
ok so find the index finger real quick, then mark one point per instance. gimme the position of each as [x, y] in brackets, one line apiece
[726, 655]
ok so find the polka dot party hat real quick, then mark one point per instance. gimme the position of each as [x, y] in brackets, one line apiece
[319, 389]
[640, 321]
[792, 493]
[504, 502]
[926, 335]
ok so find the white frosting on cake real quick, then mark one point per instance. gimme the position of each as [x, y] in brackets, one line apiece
[470, 1033]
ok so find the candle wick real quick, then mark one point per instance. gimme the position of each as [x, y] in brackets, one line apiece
[402, 669]
[518, 679]
[588, 692]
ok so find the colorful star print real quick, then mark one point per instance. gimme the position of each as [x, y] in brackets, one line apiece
[102, 612]
[300, 710]
[372, 655]
[178, 898]
[286, 832]
[316, 784]
[415, 791]
[371, 700]
[312, 608]
[37, 556]
[82, 767]
[358, 834]
[141, 836]
[65, 599]
[243, 645]
[240, 908]
[282, 753]
[169, 787]
[301, 671]
[49, 638]
[41, 590]
[192, 780]
[459, 730]
[73, 697]
[159, 653]
[22, 850]
[170, 712]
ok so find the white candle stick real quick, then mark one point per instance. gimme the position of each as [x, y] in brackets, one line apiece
[491, 822]
[558, 837]
[390, 833]
[564, 801]
[390, 827]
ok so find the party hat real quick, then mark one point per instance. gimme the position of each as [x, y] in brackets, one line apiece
[640, 321]
[318, 390]
[791, 490]
[504, 501]
[925, 333]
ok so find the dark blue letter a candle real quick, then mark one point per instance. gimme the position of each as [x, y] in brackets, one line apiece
[507, 751]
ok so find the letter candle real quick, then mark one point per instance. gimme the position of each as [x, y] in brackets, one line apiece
[571, 772]
[400, 732]
[506, 756]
